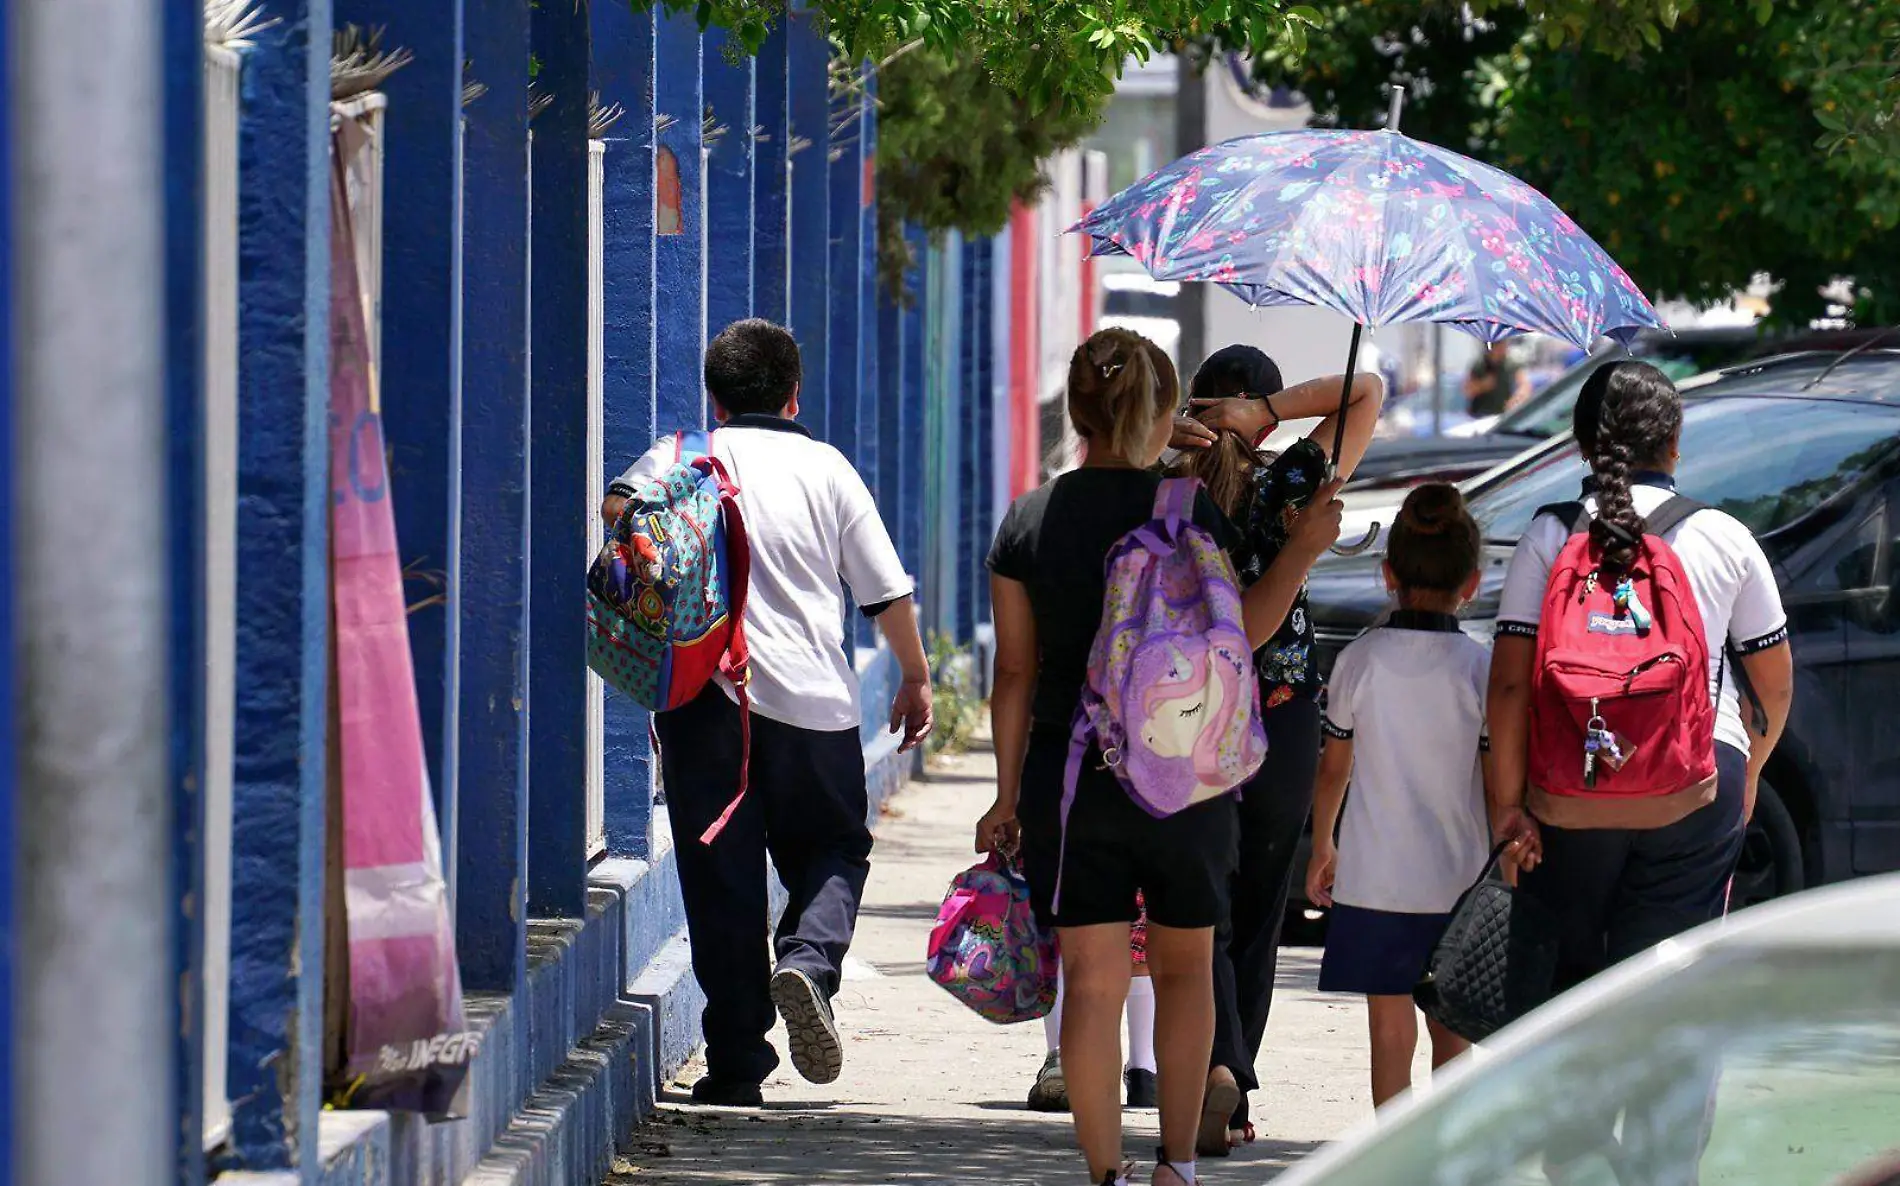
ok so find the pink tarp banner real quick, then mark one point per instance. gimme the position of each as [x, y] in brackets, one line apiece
[408, 1045]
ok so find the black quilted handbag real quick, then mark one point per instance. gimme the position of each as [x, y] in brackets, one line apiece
[1496, 961]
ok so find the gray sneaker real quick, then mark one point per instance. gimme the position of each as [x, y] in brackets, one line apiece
[1051, 1091]
[817, 1054]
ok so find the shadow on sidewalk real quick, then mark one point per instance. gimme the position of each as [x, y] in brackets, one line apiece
[987, 1145]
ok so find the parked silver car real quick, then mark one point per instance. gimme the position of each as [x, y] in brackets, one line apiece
[1791, 1010]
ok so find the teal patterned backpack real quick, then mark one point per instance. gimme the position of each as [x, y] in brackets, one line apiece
[666, 596]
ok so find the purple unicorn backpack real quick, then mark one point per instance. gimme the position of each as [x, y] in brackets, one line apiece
[987, 949]
[1170, 698]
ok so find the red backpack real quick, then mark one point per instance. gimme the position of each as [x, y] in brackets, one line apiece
[1620, 704]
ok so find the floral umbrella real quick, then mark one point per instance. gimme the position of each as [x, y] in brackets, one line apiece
[1377, 226]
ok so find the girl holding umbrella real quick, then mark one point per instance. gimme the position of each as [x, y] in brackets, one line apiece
[1238, 399]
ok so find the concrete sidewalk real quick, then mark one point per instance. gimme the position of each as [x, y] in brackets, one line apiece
[932, 1093]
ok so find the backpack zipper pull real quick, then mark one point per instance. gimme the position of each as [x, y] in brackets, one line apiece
[1592, 735]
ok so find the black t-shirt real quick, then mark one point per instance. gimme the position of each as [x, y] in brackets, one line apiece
[1055, 541]
[1282, 488]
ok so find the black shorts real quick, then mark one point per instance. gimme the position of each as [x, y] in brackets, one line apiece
[1181, 864]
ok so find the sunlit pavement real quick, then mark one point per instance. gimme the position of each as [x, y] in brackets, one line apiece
[933, 1093]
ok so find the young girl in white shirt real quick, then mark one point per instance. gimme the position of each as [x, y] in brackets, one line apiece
[1405, 723]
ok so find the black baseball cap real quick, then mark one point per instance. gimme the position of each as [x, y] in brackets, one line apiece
[1236, 370]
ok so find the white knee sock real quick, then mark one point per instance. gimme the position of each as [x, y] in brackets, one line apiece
[1052, 1021]
[1141, 1024]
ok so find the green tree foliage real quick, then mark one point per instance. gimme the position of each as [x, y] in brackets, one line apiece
[1054, 53]
[956, 148]
[975, 94]
[1692, 140]
[1852, 56]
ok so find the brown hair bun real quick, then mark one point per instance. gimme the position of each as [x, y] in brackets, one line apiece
[1435, 543]
[1433, 509]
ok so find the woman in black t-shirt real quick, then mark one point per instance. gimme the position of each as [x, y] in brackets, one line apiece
[1238, 400]
[1047, 584]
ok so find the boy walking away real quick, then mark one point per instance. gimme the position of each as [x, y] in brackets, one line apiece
[1405, 719]
[812, 529]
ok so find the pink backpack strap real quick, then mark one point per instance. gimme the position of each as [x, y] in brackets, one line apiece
[736, 663]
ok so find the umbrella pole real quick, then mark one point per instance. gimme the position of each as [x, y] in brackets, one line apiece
[1345, 397]
[1339, 436]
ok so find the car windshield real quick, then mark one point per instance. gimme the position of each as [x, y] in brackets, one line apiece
[1548, 412]
[1768, 461]
[1802, 1049]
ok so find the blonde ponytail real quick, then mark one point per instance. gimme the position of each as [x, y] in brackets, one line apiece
[1119, 384]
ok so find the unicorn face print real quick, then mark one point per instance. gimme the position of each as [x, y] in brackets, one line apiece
[1181, 705]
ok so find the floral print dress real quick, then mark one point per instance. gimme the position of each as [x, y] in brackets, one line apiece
[1282, 489]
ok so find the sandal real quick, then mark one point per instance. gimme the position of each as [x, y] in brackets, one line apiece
[1244, 1135]
[1162, 1163]
[1217, 1108]
[1118, 1177]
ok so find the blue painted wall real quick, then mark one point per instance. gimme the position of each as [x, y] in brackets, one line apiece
[491, 897]
[914, 431]
[680, 246]
[893, 414]
[771, 228]
[624, 75]
[979, 397]
[972, 330]
[183, 48]
[870, 454]
[557, 483]
[844, 375]
[731, 189]
[283, 595]
[809, 61]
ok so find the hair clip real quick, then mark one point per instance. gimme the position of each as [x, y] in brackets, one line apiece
[1111, 369]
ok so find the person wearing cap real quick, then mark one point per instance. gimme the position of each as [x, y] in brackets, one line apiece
[1237, 400]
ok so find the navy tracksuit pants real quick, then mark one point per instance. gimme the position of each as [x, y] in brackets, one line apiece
[805, 806]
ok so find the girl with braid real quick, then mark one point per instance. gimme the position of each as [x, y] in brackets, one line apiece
[1623, 874]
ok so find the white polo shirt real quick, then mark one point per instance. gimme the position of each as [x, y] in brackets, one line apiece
[1410, 697]
[1733, 583]
[813, 527]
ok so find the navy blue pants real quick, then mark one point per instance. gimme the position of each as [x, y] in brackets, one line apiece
[1617, 893]
[1273, 810]
[806, 806]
